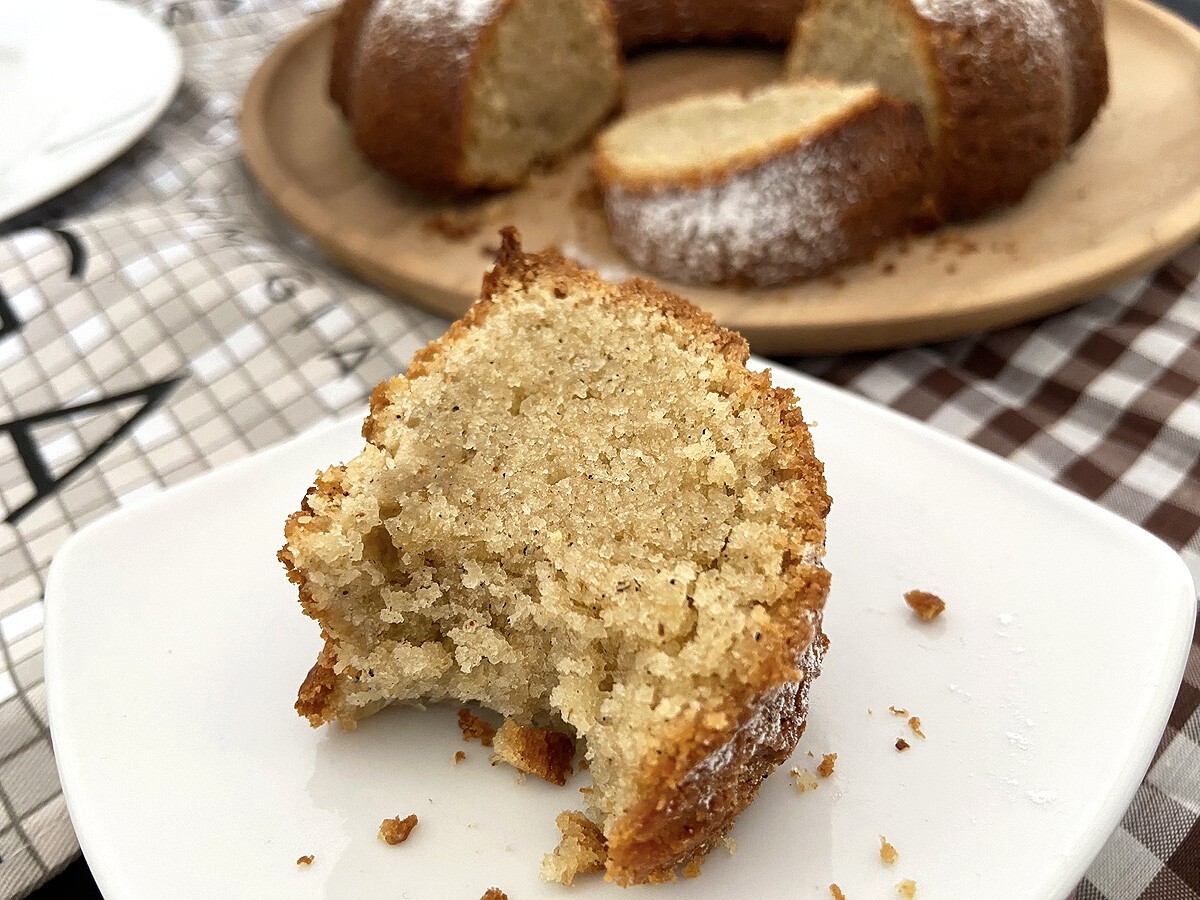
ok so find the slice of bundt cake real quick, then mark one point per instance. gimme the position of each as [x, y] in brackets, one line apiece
[1004, 85]
[453, 96]
[580, 507]
[762, 188]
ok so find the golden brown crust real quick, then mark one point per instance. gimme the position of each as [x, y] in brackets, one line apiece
[539, 751]
[317, 692]
[494, 894]
[685, 809]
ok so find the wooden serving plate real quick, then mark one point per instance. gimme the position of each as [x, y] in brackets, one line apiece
[1125, 198]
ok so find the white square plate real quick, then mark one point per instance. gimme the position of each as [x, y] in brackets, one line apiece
[175, 647]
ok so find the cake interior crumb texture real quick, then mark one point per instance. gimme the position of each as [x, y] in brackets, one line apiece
[580, 509]
[867, 40]
[542, 85]
[718, 131]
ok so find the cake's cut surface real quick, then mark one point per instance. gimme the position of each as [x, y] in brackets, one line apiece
[693, 139]
[579, 507]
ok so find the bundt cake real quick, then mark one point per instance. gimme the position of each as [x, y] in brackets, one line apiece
[454, 96]
[783, 183]
[580, 507]
[1004, 86]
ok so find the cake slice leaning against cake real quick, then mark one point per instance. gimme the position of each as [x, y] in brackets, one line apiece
[786, 182]
[580, 508]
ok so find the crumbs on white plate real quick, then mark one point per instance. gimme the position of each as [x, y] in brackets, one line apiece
[887, 852]
[927, 606]
[804, 780]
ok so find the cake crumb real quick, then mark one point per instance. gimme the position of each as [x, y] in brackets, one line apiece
[887, 852]
[730, 844]
[582, 849]
[898, 712]
[474, 728]
[494, 894]
[459, 757]
[804, 780]
[305, 860]
[902, 744]
[927, 606]
[825, 769]
[907, 889]
[692, 869]
[836, 892]
[915, 724]
[538, 751]
[396, 831]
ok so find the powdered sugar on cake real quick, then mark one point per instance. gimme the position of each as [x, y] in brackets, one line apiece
[767, 224]
[785, 218]
[1036, 23]
[450, 25]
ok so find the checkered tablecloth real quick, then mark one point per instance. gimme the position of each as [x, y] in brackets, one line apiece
[160, 320]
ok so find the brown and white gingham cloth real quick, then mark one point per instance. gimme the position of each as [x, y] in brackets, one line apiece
[159, 320]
